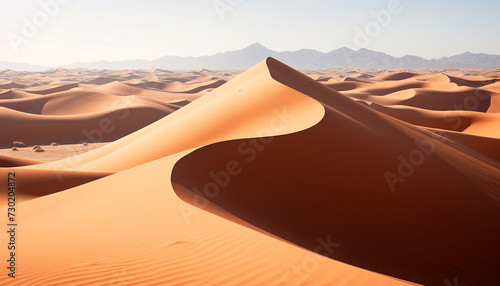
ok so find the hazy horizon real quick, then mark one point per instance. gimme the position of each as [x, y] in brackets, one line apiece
[132, 59]
[61, 32]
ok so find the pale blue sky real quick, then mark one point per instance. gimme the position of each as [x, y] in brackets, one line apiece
[91, 30]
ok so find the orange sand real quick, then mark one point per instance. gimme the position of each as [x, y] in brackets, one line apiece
[214, 178]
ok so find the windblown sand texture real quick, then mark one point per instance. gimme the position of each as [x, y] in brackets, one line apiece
[239, 178]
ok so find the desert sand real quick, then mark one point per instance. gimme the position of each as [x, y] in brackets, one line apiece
[270, 176]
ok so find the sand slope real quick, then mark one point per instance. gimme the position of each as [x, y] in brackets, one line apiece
[395, 179]
[348, 197]
[93, 106]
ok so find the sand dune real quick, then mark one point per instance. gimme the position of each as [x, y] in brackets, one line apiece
[10, 85]
[101, 126]
[361, 209]
[99, 109]
[51, 89]
[397, 76]
[197, 89]
[268, 177]
[10, 161]
[156, 244]
[15, 94]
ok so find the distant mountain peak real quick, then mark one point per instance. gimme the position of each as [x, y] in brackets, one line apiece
[256, 46]
[301, 59]
[345, 49]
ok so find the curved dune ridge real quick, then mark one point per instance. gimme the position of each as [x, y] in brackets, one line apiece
[268, 177]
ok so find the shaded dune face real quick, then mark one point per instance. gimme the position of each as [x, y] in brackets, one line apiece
[391, 177]
[8, 161]
[103, 126]
[329, 181]
[130, 227]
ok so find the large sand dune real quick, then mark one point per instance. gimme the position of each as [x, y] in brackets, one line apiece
[268, 177]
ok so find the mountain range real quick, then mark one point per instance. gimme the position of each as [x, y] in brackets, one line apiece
[301, 59]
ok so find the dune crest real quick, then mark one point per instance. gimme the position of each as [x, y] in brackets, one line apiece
[331, 177]
[325, 170]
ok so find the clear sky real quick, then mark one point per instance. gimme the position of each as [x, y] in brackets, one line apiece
[92, 30]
